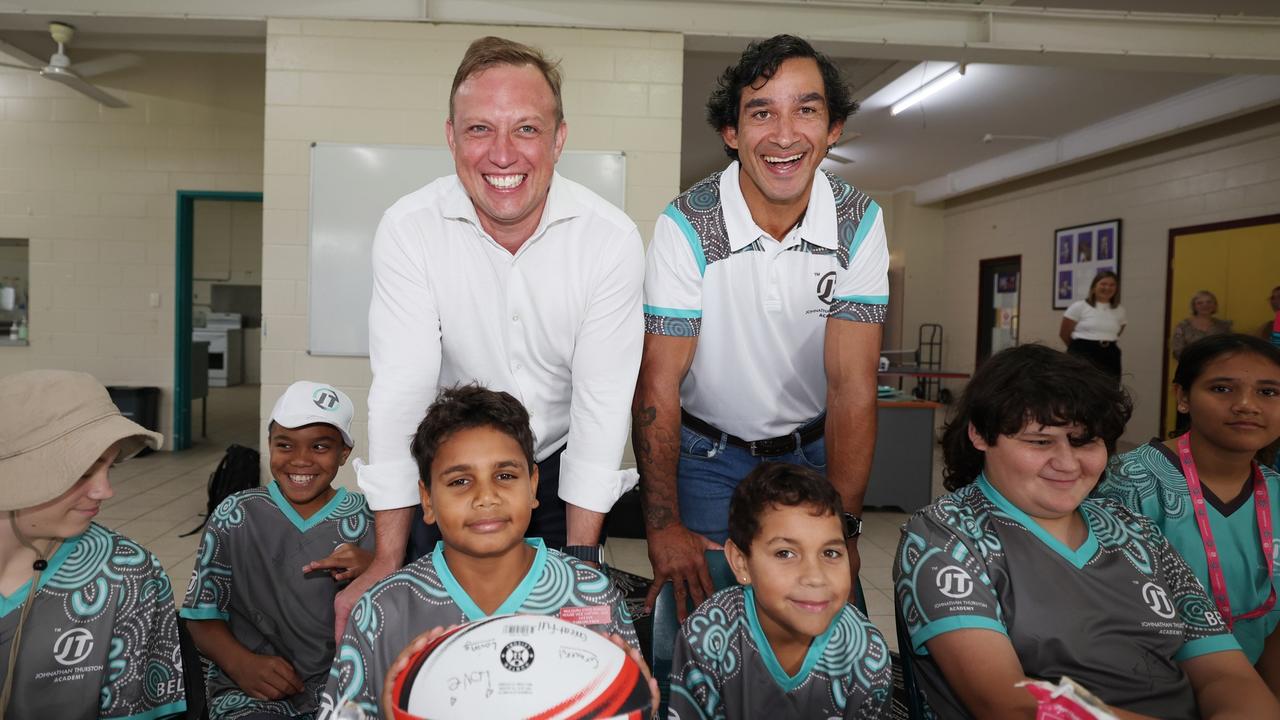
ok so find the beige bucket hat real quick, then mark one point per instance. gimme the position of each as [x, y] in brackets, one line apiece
[54, 424]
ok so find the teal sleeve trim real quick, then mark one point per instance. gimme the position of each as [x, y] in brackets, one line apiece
[672, 312]
[695, 243]
[864, 227]
[955, 622]
[1205, 646]
[173, 709]
[203, 613]
[864, 299]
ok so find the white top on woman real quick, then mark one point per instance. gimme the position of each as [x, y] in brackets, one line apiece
[1099, 322]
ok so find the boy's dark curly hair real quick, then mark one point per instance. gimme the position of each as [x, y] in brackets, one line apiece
[1030, 383]
[773, 484]
[758, 64]
[464, 407]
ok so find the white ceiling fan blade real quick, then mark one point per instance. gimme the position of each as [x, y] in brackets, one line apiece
[16, 65]
[17, 53]
[104, 65]
[74, 82]
[837, 157]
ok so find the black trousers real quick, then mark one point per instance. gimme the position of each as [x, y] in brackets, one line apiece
[547, 522]
[1104, 355]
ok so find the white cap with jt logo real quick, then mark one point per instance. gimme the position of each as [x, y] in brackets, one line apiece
[306, 402]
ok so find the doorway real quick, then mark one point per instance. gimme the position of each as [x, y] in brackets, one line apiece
[1234, 260]
[218, 310]
[999, 298]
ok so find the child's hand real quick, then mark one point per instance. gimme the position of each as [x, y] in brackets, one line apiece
[616, 639]
[402, 661]
[265, 677]
[346, 562]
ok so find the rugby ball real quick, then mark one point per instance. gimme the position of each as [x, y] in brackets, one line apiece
[521, 667]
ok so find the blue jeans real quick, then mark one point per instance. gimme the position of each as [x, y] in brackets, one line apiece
[710, 468]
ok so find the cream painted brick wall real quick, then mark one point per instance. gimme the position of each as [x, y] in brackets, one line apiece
[94, 190]
[1226, 178]
[388, 83]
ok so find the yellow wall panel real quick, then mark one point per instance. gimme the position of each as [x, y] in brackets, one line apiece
[1238, 265]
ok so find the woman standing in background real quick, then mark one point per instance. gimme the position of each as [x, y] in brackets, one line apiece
[1200, 324]
[1091, 327]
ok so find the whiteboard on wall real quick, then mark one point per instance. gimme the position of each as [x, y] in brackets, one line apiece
[351, 186]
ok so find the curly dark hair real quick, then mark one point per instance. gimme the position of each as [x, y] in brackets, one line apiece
[1030, 383]
[773, 484]
[759, 62]
[464, 407]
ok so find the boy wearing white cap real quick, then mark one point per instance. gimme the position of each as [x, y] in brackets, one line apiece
[260, 601]
[87, 627]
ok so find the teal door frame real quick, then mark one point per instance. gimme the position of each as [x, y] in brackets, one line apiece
[182, 305]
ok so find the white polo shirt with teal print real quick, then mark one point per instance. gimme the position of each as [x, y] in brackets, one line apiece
[759, 305]
[248, 573]
[723, 667]
[1148, 480]
[101, 639]
[424, 595]
[1117, 614]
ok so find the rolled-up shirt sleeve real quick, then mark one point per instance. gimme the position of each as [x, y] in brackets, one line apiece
[404, 354]
[606, 360]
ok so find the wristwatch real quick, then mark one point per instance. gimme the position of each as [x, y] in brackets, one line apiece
[587, 553]
[852, 526]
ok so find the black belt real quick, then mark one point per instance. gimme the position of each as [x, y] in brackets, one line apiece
[1099, 343]
[769, 447]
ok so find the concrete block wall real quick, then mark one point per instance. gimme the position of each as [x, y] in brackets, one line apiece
[94, 189]
[388, 83]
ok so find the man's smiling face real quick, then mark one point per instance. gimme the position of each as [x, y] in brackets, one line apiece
[783, 132]
[505, 141]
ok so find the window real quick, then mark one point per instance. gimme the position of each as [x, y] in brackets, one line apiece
[15, 275]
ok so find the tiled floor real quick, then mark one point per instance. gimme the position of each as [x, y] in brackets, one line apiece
[160, 496]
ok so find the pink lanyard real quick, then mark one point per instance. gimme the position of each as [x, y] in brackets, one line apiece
[1262, 506]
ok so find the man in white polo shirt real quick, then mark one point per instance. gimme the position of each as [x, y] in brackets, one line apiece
[765, 292]
[512, 276]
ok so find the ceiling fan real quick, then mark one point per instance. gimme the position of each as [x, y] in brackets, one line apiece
[60, 69]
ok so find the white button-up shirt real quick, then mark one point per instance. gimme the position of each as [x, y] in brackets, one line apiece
[558, 325]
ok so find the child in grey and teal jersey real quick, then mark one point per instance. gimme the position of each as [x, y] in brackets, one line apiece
[272, 559]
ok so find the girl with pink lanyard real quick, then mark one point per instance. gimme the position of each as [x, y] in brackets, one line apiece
[1207, 492]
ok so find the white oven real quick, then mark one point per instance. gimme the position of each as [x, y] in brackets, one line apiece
[226, 348]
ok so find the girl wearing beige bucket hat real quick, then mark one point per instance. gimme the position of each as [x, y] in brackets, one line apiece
[88, 627]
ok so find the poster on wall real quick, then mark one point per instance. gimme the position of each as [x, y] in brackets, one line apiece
[1080, 253]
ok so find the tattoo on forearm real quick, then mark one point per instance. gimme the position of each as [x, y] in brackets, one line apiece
[656, 455]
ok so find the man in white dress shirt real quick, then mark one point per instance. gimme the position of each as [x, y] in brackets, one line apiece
[514, 277]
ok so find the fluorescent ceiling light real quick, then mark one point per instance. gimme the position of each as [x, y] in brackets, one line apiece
[927, 89]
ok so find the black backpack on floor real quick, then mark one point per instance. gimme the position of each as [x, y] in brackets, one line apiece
[238, 470]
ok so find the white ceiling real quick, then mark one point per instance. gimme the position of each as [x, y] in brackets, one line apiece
[1261, 8]
[942, 135]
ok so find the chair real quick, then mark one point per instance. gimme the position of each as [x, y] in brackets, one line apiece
[915, 696]
[192, 674]
[666, 625]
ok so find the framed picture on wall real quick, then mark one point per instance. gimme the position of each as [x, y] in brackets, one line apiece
[1080, 253]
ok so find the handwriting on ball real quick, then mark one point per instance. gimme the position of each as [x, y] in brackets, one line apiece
[586, 657]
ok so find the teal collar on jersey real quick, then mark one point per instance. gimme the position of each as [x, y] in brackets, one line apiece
[19, 596]
[816, 647]
[1078, 557]
[282, 502]
[513, 602]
